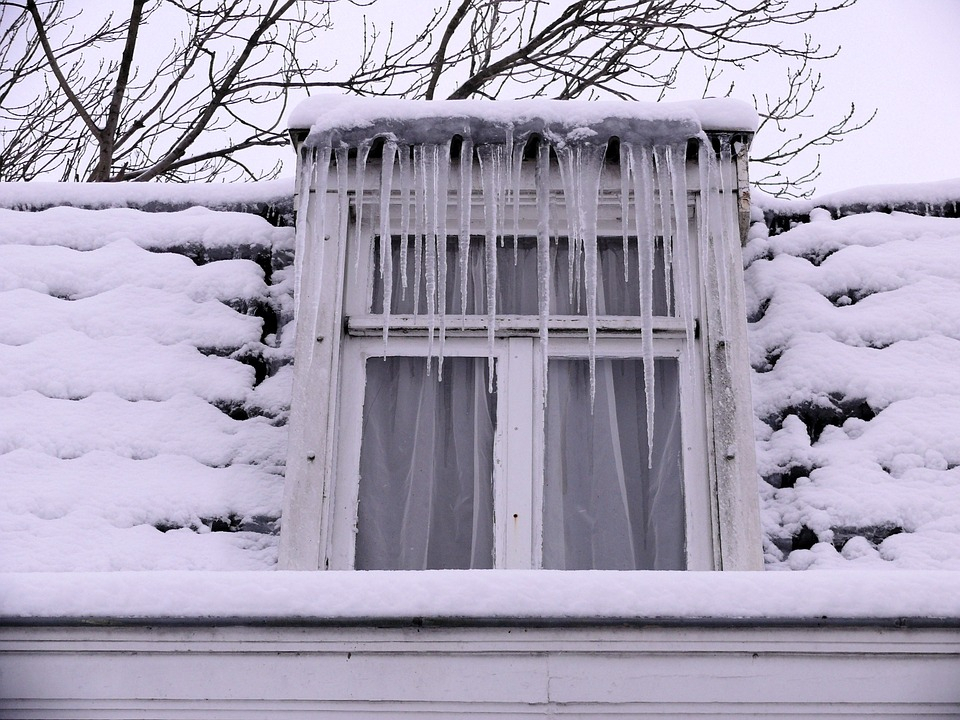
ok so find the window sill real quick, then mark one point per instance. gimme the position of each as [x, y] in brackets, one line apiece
[485, 597]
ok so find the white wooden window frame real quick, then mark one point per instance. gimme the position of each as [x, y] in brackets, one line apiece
[518, 437]
[320, 508]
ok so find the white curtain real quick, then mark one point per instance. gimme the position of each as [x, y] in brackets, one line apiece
[426, 466]
[426, 461]
[605, 506]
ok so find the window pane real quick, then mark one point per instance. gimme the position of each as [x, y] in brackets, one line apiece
[604, 508]
[426, 466]
[517, 280]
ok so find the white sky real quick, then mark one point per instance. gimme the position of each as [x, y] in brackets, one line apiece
[899, 56]
[902, 57]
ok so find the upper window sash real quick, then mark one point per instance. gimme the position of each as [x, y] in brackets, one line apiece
[518, 268]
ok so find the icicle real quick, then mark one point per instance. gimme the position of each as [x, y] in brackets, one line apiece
[466, 206]
[430, 232]
[309, 239]
[305, 186]
[592, 169]
[624, 168]
[504, 175]
[641, 170]
[363, 151]
[343, 191]
[419, 222]
[682, 255]
[386, 243]
[489, 175]
[666, 218]
[570, 196]
[443, 179]
[677, 165]
[405, 181]
[543, 258]
[581, 194]
[704, 223]
[517, 165]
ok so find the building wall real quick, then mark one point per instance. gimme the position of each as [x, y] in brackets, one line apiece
[506, 670]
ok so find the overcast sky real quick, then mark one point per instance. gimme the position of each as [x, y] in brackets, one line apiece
[902, 57]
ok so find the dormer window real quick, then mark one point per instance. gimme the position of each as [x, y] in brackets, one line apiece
[510, 332]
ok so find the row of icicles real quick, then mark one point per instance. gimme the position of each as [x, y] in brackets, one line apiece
[419, 185]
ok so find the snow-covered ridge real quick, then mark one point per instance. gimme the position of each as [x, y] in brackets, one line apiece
[352, 120]
[36, 195]
[867, 197]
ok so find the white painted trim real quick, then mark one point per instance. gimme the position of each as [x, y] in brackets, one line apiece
[310, 455]
[500, 671]
[513, 325]
[519, 511]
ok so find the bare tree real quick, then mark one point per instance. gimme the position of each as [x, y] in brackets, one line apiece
[73, 107]
[223, 87]
[779, 114]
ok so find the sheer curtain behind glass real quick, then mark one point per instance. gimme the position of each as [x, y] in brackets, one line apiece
[604, 508]
[427, 447]
[426, 466]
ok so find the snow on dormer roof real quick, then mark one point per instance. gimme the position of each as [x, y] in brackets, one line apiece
[351, 120]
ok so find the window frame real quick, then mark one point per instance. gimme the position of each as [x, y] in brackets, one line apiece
[315, 533]
[519, 433]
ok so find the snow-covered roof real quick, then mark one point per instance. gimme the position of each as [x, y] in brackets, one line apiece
[855, 343]
[352, 120]
[143, 400]
[136, 415]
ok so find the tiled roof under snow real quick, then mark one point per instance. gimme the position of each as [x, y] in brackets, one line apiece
[141, 411]
[143, 398]
[855, 343]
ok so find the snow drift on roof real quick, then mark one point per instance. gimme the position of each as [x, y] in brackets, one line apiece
[135, 431]
[855, 342]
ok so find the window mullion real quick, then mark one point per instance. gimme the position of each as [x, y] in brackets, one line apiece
[515, 471]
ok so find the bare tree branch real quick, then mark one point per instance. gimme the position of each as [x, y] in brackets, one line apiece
[82, 105]
[57, 72]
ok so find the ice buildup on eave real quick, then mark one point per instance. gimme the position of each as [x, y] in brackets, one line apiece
[332, 119]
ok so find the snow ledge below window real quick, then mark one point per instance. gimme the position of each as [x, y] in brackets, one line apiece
[481, 596]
